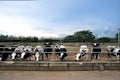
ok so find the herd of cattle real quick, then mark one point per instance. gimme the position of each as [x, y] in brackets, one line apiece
[43, 53]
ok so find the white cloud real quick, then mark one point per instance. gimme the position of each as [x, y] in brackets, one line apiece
[14, 21]
[25, 26]
[19, 26]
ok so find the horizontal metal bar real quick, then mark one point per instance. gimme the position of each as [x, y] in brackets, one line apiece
[70, 61]
[58, 52]
[54, 47]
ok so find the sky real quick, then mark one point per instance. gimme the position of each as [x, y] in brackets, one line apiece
[59, 18]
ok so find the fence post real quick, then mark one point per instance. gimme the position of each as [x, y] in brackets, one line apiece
[119, 37]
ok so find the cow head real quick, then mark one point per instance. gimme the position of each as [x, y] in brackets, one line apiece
[13, 55]
[57, 46]
[84, 48]
[22, 55]
[83, 51]
[62, 55]
[63, 52]
[111, 48]
[95, 44]
[48, 44]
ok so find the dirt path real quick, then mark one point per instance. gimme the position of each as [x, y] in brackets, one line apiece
[62, 75]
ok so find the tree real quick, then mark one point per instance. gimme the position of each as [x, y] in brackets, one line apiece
[3, 38]
[80, 36]
[84, 36]
[69, 38]
[35, 39]
[104, 39]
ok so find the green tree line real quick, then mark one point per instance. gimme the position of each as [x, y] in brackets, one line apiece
[87, 36]
[79, 36]
[6, 38]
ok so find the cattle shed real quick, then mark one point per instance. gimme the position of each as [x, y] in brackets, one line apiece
[58, 66]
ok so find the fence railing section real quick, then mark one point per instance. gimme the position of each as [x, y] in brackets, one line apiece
[71, 51]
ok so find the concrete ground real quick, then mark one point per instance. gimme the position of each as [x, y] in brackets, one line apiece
[59, 75]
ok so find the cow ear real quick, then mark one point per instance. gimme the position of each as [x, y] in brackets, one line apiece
[98, 44]
[51, 43]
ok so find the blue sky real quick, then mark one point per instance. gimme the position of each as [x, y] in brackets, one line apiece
[57, 18]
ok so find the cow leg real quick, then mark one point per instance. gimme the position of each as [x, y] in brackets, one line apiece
[42, 56]
[0, 58]
[56, 56]
[118, 57]
[92, 56]
[37, 55]
[61, 59]
[48, 56]
[109, 55]
[30, 57]
[86, 56]
[4, 57]
[45, 56]
[118, 54]
[96, 56]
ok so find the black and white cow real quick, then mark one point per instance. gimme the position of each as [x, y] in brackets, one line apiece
[117, 52]
[63, 52]
[110, 50]
[47, 50]
[38, 52]
[82, 53]
[1, 52]
[113, 51]
[6, 52]
[26, 52]
[96, 50]
[60, 51]
[18, 51]
[57, 51]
